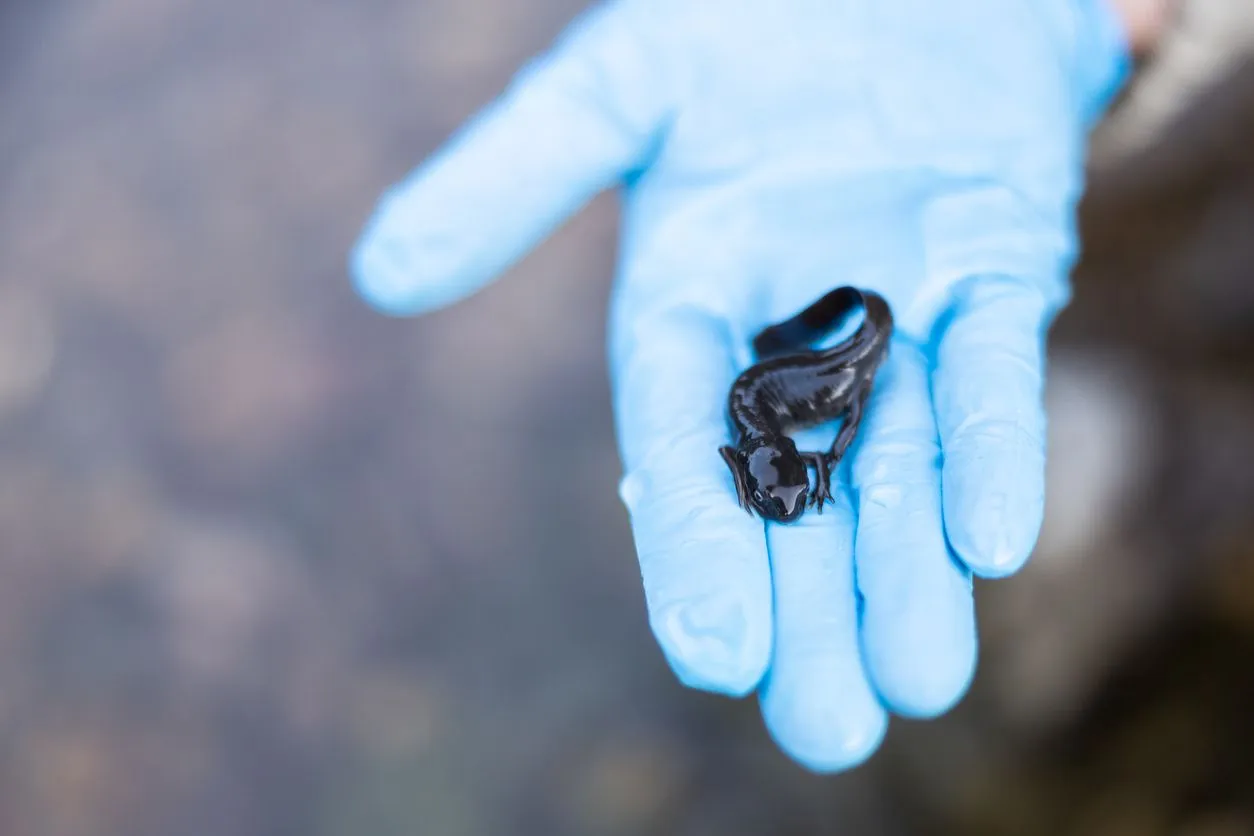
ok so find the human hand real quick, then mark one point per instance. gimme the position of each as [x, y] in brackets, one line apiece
[769, 152]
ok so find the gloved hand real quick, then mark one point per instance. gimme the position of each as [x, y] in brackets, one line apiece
[770, 151]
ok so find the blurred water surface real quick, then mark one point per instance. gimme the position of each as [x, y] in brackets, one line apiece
[273, 564]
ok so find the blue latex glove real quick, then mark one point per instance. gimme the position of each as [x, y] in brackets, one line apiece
[770, 151]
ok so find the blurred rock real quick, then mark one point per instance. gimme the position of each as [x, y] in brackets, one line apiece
[232, 595]
[249, 390]
[393, 715]
[1218, 823]
[1104, 435]
[27, 346]
[626, 787]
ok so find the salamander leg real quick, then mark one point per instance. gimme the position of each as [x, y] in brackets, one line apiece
[853, 418]
[824, 462]
[822, 491]
[742, 490]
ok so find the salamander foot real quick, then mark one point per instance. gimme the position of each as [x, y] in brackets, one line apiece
[821, 493]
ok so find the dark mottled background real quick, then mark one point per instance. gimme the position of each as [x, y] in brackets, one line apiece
[273, 564]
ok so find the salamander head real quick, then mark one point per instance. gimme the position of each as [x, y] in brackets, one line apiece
[777, 479]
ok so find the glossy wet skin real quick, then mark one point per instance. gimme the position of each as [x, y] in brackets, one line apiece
[794, 386]
[777, 479]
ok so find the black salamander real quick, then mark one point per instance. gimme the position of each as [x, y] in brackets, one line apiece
[794, 386]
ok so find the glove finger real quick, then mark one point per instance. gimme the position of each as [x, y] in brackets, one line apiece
[816, 701]
[572, 123]
[988, 394]
[918, 626]
[702, 558]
